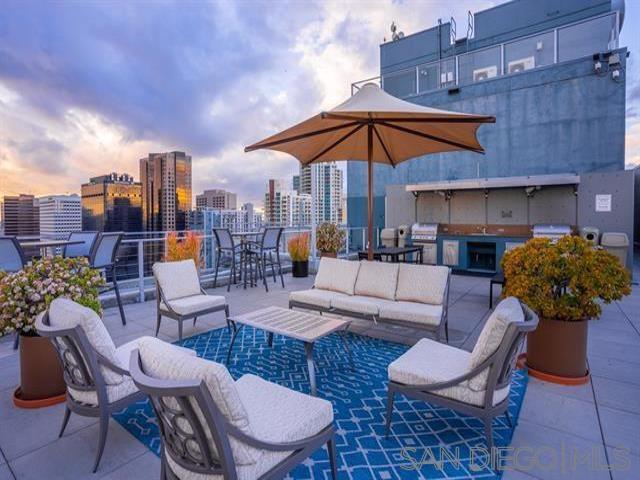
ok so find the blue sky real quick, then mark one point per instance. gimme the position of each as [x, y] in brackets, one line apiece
[90, 87]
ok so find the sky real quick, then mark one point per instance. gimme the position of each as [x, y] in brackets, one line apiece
[88, 88]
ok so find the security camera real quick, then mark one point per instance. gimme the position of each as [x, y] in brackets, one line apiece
[615, 74]
[598, 66]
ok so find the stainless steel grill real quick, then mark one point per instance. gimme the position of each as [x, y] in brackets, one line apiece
[552, 231]
[426, 234]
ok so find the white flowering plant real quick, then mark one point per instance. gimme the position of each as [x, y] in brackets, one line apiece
[26, 293]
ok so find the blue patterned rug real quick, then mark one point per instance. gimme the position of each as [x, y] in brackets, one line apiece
[422, 435]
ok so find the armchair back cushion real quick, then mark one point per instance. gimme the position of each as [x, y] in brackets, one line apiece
[162, 360]
[377, 279]
[492, 336]
[177, 279]
[422, 283]
[337, 275]
[65, 313]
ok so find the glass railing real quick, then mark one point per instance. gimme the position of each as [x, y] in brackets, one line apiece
[576, 40]
[139, 251]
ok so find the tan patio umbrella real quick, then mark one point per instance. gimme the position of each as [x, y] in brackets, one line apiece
[376, 127]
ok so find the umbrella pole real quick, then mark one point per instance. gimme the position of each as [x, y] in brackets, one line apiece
[370, 189]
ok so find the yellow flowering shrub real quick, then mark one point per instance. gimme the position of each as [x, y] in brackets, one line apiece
[184, 248]
[566, 280]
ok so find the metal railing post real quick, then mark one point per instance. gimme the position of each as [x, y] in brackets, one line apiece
[140, 271]
[347, 239]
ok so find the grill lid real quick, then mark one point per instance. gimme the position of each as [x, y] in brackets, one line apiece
[422, 231]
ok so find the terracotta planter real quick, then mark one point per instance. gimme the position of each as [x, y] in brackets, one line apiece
[300, 269]
[557, 351]
[328, 254]
[41, 380]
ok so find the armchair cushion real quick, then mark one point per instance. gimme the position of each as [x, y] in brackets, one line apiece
[377, 279]
[163, 361]
[422, 283]
[429, 362]
[194, 303]
[276, 414]
[65, 313]
[492, 335]
[315, 296]
[412, 312]
[337, 275]
[177, 279]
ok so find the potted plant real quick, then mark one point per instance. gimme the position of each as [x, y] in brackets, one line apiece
[188, 247]
[25, 294]
[298, 247]
[564, 283]
[329, 239]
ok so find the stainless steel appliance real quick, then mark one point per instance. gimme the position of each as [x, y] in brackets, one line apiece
[551, 230]
[426, 234]
[389, 237]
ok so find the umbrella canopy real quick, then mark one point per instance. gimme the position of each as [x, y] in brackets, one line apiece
[376, 127]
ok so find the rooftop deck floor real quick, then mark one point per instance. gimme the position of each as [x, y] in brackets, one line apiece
[594, 418]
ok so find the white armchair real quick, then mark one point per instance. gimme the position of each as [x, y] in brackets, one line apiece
[180, 297]
[95, 371]
[213, 427]
[476, 383]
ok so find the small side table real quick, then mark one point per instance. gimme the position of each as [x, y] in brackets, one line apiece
[497, 279]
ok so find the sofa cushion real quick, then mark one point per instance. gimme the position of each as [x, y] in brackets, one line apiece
[177, 279]
[429, 362]
[337, 275]
[422, 283]
[277, 414]
[315, 296]
[377, 279]
[65, 313]
[420, 313]
[194, 303]
[508, 310]
[161, 360]
[358, 304]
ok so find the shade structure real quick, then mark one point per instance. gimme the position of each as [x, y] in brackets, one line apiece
[376, 127]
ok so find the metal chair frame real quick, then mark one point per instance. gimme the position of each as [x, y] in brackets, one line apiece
[81, 368]
[500, 365]
[190, 449]
[220, 252]
[171, 313]
[264, 256]
[95, 239]
[110, 267]
[23, 261]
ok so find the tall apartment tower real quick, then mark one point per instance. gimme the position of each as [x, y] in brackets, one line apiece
[166, 191]
[284, 207]
[112, 203]
[59, 216]
[21, 215]
[217, 199]
[329, 190]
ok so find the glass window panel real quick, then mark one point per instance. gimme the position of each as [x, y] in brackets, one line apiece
[401, 84]
[528, 53]
[448, 72]
[585, 39]
[428, 77]
[478, 66]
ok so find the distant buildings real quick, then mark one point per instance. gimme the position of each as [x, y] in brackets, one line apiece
[217, 198]
[59, 216]
[112, 203]
[166, 191]
[21, 215]
[285, 207]
[329, 190]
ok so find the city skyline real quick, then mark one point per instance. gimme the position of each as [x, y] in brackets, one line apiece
[67, 116]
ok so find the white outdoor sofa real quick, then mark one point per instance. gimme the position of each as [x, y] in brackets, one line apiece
[410, 295]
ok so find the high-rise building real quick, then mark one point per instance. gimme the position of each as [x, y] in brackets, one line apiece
[285, 207]
[329, 190]
[295, 183]
[112, 203]
[166, 191]
[217, 198]
[21, 215]
[59, 216]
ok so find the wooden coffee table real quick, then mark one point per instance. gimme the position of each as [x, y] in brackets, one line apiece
[303, 326]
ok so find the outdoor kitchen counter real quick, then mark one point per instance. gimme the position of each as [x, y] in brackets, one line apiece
[476, 252]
